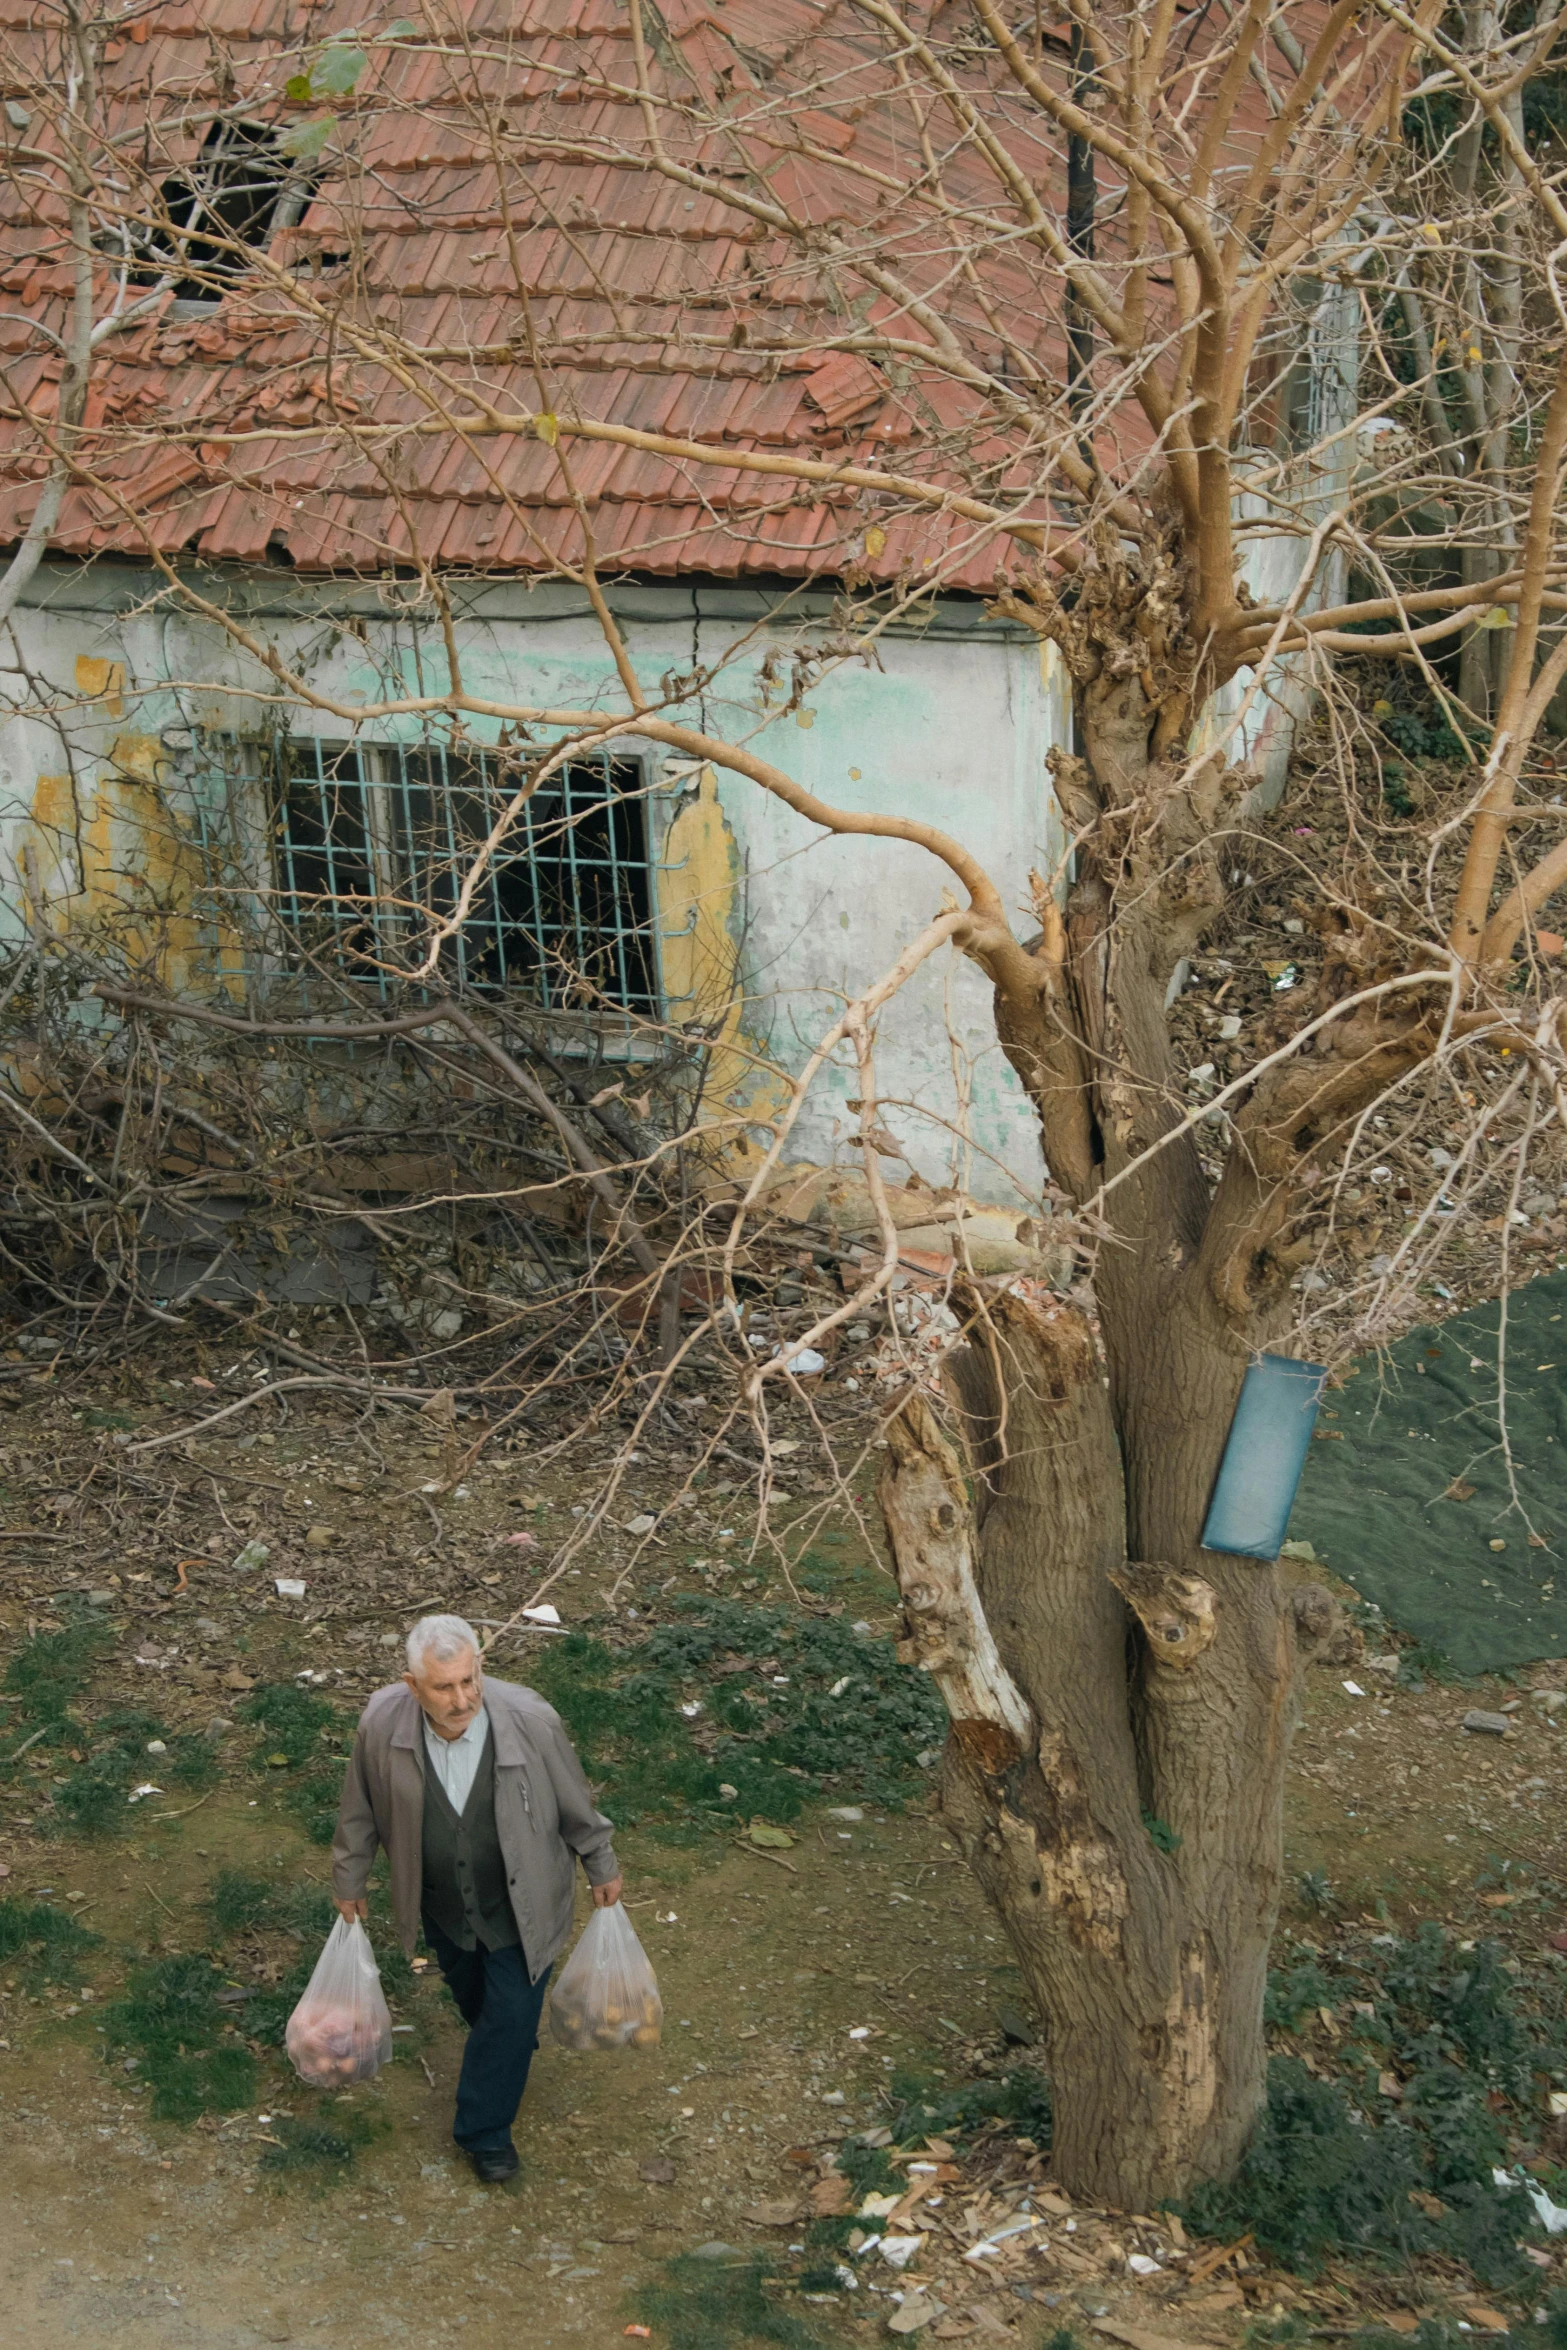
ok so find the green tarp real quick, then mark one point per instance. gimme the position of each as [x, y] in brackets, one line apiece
[1416, 1425]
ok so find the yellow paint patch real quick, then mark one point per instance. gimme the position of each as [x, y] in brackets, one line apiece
[696, 889]
[101, 681]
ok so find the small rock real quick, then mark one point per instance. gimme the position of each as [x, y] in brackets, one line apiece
[156, 1746]
[1387, 1665]
[1551, 1699]
[929, 1759]
[726, 1791]
[644, 1524]
[845, 1811]
[716, 2251]
[1540, 1203]
[916, 2310]
[321, 1537]
[101, 1598]
[1486, 1725]
[658, 2171]
[218, 1727]
[390, 1640]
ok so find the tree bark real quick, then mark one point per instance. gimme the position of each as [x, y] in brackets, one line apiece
[1101, 1712]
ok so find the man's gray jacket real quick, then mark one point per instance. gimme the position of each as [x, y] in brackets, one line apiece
[543, 1814]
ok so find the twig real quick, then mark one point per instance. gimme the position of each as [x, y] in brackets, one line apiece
[757, 1853]
[185, 1814]
[26, 1743]
[158, 1897]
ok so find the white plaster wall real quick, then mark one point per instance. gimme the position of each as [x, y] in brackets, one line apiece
[951, 725]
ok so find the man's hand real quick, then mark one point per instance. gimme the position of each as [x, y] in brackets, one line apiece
[349, 1910]
[606, 1896]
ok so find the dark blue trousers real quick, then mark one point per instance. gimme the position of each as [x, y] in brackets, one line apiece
[501, 2009]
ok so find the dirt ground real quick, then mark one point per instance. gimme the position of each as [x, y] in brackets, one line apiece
[797, 1980]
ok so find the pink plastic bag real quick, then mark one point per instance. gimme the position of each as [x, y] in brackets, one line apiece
[341, 2031]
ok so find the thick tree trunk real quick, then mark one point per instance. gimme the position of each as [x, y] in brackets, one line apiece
[1101, 1713]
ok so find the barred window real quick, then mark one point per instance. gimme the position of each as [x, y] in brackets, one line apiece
[370, 845]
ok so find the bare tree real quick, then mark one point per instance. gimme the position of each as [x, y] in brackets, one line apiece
[1130, 303]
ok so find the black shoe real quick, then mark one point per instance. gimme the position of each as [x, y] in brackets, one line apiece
[495, 2165]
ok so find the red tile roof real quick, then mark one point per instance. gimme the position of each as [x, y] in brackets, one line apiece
[647, 297]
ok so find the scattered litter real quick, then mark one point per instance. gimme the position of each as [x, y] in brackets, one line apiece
[521, 1541]
[1352, 1689]
[1141, 2266]
[644, 1523]
[156, 1746]
[289, 1587]
[147, 1788]
[898, 2251]
[850, 1812]
[252, 1558]
[877, 2207]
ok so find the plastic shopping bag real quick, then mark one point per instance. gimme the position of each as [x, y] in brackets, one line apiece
[341, 2031]
[606, 1995]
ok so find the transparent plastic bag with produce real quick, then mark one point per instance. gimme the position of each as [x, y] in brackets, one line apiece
[341, 2031]
[606, 1995]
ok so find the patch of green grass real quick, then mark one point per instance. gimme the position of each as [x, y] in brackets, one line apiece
[187, 2043]
[324, 2143]
[922, 2107]
[43, 1943]
[726, 2305]
[239, 1904]
[46, 1676]
[776, 1736]
[94, 1798]
[1437, 2068]
[301, 1733]
[124, 1421]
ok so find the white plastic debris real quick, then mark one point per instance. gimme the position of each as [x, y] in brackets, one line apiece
[147, 1788]
[643, 1523]
[1352, 1689]
[288, 1587]
[1141, 2266]
[898, 2251]
[860, 2032]
[156, 1746]
[1551, 2216]
[542, 1614]
[877, 2207]
[805, 1363]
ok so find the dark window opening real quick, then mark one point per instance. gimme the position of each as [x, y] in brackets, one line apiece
[208, 216]
[371, 848]
[322, 857]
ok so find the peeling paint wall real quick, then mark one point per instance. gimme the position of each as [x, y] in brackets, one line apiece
[110, 801]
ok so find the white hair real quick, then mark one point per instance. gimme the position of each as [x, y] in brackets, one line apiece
[436, 1639]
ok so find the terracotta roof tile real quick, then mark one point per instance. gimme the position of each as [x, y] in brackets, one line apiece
[650, 296]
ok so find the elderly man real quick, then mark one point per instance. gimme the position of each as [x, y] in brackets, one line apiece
[479, 1801]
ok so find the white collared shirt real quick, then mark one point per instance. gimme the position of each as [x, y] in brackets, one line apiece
[456, 1760]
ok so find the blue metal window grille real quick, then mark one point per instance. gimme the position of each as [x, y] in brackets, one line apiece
[370, 845]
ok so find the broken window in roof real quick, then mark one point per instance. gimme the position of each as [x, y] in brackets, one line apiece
[371, 845]
[240, 188]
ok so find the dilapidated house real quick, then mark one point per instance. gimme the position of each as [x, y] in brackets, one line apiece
[320, 533]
